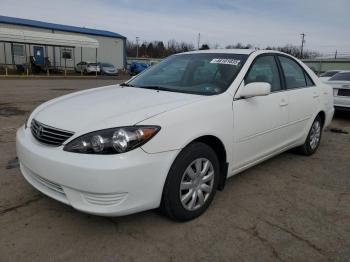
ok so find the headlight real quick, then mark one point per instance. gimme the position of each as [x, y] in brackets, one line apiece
[113, 140]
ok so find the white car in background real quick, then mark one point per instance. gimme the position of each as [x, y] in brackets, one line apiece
[340, 83]
[87, 67]
[171, 136]
[328, 74]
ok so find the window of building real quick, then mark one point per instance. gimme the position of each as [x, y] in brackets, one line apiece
[18, 50]
[67, 53]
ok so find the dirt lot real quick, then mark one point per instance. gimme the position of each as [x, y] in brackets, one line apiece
[290, 208]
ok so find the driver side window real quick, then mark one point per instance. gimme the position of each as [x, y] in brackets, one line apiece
[264, 69]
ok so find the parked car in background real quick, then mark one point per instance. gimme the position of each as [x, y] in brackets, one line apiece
[87, 67]
[108, 69]
[340, 83]
[170, 137]
[328, 74]
[137, 67]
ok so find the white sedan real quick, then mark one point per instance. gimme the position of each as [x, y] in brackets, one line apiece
[170, 137]
[340, 83]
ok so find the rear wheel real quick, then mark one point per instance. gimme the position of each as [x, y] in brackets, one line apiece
[313, 139]
[191, 183]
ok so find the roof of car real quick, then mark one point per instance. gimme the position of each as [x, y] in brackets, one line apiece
[234, 51]
[59, 27]
[227, 51]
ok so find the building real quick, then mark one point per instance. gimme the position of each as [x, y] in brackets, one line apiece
[58, 46]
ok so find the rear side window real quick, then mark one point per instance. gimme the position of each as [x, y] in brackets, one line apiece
[264, 69]
[293, 73]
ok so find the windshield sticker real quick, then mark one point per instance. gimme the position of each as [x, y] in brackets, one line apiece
[225, 61]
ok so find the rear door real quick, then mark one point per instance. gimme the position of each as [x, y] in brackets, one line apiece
[260, 122]
[303, 96]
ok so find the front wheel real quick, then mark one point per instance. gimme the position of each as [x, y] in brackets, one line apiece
[313, 139]
[191, 183]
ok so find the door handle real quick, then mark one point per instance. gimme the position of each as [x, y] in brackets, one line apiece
[283, 103]
[316, 94]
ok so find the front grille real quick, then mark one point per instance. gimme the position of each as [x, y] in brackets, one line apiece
[344, 92]
[49, 135]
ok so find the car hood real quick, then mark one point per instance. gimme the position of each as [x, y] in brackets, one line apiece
[107, 107]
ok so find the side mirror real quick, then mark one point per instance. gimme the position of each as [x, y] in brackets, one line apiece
[255, 89]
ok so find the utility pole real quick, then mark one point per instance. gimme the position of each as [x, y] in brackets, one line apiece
[137, 46]
[336, 53]
[302, 45]
[199, 40]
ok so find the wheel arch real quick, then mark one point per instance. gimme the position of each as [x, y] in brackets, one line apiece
[218, 146]
[322, 115]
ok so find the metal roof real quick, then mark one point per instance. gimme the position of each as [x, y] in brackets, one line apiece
[52, 26]
[44, 38]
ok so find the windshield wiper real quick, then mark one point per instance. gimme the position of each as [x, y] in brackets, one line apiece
[126, 84]
[159, 88]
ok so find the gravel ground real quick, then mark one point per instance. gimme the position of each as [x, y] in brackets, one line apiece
[290, 208]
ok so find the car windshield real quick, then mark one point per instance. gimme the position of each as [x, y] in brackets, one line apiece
[106, 65]
[200, 73]
[329, 73]
[345, 76]
[92, 64]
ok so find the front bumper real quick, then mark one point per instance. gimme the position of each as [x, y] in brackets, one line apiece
[109, 185]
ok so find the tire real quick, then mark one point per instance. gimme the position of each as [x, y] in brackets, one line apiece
[313, 138]
[184, 172]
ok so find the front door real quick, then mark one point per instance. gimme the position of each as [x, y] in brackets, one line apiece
[39, 55]
[260, 122]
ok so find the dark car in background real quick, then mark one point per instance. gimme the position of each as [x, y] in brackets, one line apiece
[137, 67]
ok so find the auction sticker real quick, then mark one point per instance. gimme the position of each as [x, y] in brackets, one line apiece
[225, 61]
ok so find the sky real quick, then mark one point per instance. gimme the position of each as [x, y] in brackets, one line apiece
[220, 22]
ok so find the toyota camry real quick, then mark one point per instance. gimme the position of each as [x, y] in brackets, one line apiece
[170, 137]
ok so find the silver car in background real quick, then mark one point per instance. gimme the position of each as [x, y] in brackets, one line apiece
[108, 69]
[340, 83]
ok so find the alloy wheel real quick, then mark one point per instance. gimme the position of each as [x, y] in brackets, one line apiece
[315, 134]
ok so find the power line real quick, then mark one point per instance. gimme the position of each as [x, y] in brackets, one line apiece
[199, 39]
[137, 46]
